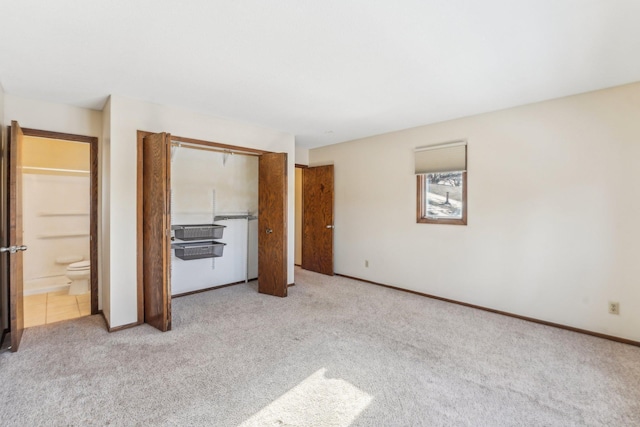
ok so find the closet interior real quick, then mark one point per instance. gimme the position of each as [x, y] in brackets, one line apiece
[214, 227]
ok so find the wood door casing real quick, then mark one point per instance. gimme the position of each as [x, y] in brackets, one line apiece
[93, 203]
[15, 262]
[317, 219]
[156, 183]
[272, 224]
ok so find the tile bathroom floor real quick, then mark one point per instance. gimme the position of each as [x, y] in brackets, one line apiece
[53, 307]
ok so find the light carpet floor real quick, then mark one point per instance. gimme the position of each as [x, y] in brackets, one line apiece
[336, 352]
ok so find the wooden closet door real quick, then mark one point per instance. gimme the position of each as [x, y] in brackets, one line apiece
[272, 224]
[156, 234]
[15, 246]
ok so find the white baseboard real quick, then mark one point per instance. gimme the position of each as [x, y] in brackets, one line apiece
[43, 285]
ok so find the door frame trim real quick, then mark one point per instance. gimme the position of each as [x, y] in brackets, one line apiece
[140, 135]
[305, 171]
[301, 219]
[93, 206]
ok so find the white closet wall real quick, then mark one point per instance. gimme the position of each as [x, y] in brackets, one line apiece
[204, 185]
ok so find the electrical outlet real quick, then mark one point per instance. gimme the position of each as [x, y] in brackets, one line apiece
[366, 263]
[614, 307]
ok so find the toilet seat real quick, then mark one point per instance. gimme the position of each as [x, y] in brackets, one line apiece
[79, 275]
[82, 265]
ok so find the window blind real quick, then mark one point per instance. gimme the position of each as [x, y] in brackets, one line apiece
[449, 157]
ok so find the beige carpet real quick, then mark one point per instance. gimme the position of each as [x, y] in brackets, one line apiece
[336, 352]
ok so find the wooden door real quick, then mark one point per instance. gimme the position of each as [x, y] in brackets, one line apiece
[156, 230]
[15, 246]
[272, 224]
[317, 219]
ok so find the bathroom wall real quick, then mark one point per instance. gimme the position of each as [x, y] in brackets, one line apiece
[205, 184]
[55, 210]
[41, 153]
[56, 224]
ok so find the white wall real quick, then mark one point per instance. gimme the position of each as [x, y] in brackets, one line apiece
[3, 123]
[53, 117]
[128, 116]
[104, 207]
[553, 230]
[302, 155]
[4, 307]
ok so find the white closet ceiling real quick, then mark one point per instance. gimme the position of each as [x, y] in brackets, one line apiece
[327, 71]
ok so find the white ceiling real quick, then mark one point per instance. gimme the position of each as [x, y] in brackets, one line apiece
[325, 70]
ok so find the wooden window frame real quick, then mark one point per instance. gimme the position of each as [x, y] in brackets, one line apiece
[421, 203]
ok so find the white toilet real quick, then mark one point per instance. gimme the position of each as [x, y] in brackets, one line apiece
[79, 273]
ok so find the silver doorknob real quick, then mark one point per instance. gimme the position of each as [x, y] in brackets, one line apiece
[13, 249]
[269, 231]
[331, 226]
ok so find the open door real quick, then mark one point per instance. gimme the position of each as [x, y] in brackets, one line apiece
[15, 246]
[317, 219]
[156, 230]
[272, 224]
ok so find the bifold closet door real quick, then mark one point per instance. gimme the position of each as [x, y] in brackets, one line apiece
[156, 231]
[272, 224]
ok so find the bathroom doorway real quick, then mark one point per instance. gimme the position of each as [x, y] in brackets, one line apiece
[59, 192]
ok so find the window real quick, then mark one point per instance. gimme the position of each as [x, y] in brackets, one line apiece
[442, 198]
[442, 183]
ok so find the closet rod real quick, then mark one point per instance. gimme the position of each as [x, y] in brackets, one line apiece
[206, 148]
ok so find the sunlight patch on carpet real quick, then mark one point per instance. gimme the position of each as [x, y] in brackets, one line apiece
[316, 401]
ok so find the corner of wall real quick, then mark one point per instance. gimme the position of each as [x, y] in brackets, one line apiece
[4, 304]
[302, 155]
[3, 131]
[104, 250]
